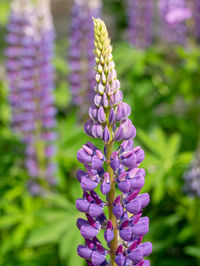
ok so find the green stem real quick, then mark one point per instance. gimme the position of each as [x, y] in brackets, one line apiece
[111, 198]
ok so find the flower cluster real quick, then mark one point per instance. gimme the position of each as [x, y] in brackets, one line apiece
[124, 227]
[174, 14]
[81, 57]
[140, 22]
[197, 18]
[30, 74]
[192, 177]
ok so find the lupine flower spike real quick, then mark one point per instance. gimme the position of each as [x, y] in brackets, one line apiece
[81, 57]
[140, 15]
[174, 14]
[124, 227]
[30, 73]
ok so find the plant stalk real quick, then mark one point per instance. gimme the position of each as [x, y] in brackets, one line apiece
[111, 198]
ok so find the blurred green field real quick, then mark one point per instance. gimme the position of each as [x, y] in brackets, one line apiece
[162, 85]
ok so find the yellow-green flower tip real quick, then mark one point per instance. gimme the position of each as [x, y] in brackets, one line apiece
[101, 39]
[103, 50]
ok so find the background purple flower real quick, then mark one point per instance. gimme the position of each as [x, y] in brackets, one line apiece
[140, 15]
[174, 14]
[81, 57]
[197, 18]
[192, 176]
[30, 74]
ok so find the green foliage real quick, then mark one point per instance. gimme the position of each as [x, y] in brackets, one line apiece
[59, 220]
[163, 157]
[4, 11]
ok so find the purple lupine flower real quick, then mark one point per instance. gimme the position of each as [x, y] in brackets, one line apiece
[140, 15]
[192, 176]
[81, 57]
[174, 14]
[197, 18]
[30, 74]
[109, 122]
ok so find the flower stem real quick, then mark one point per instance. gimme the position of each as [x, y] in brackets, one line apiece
[111, 198]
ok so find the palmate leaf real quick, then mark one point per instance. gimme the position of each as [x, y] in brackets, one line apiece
[173, 144]
[59, 227]
[160, 144]
[61, 202]
[9, 220]
[125, 57]
[161, 157]
[68, 246]
[49, 233]
[51, 214]
[150, 141]
[17, 220]
[159, 189]
[18, 235]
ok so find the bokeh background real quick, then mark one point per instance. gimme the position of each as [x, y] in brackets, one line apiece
[162, 85]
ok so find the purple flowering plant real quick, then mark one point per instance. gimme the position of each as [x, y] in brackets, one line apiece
[30, 75]
[174, 14]
[81, 57]
[116, 171]
[140, 28]
[197, 18]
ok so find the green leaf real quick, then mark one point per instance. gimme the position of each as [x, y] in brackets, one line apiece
[60, 65]
[62, 95]
[4, 11]
[159, 189]
[52, 214]
[68, 252]
[61, 202]
[185, 234]
[151, 142]
[184, 158]
[73, 258]
[18, 235]
[49, 233]
[192, 251]
[174, 144]
[9, 220]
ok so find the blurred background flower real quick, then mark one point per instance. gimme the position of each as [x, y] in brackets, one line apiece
[30, 74]
[81, 55]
